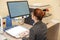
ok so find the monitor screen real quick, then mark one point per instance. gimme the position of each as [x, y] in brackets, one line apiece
[18, 8]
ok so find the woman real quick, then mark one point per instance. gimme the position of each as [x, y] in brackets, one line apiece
[39, 29]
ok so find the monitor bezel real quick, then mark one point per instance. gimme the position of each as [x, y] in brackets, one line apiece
[18, 15]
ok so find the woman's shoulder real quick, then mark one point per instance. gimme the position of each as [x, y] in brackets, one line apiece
[39, 23]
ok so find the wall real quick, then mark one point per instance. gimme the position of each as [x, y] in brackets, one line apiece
[55, 9]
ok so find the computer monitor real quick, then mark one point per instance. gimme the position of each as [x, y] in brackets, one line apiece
[18, 8]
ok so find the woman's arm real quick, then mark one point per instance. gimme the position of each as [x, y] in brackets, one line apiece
[31, 35]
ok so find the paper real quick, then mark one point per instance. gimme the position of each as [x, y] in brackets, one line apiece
[17, 31]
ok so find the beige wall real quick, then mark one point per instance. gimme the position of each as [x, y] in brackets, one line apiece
[55, 9]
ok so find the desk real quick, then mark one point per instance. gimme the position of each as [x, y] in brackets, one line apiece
[52, 33]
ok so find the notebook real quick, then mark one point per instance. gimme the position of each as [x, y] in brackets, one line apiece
[18, 31]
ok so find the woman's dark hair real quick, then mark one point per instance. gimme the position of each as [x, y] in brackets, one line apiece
[38, 13]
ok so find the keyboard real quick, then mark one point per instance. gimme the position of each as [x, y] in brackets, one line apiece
[18, 31]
